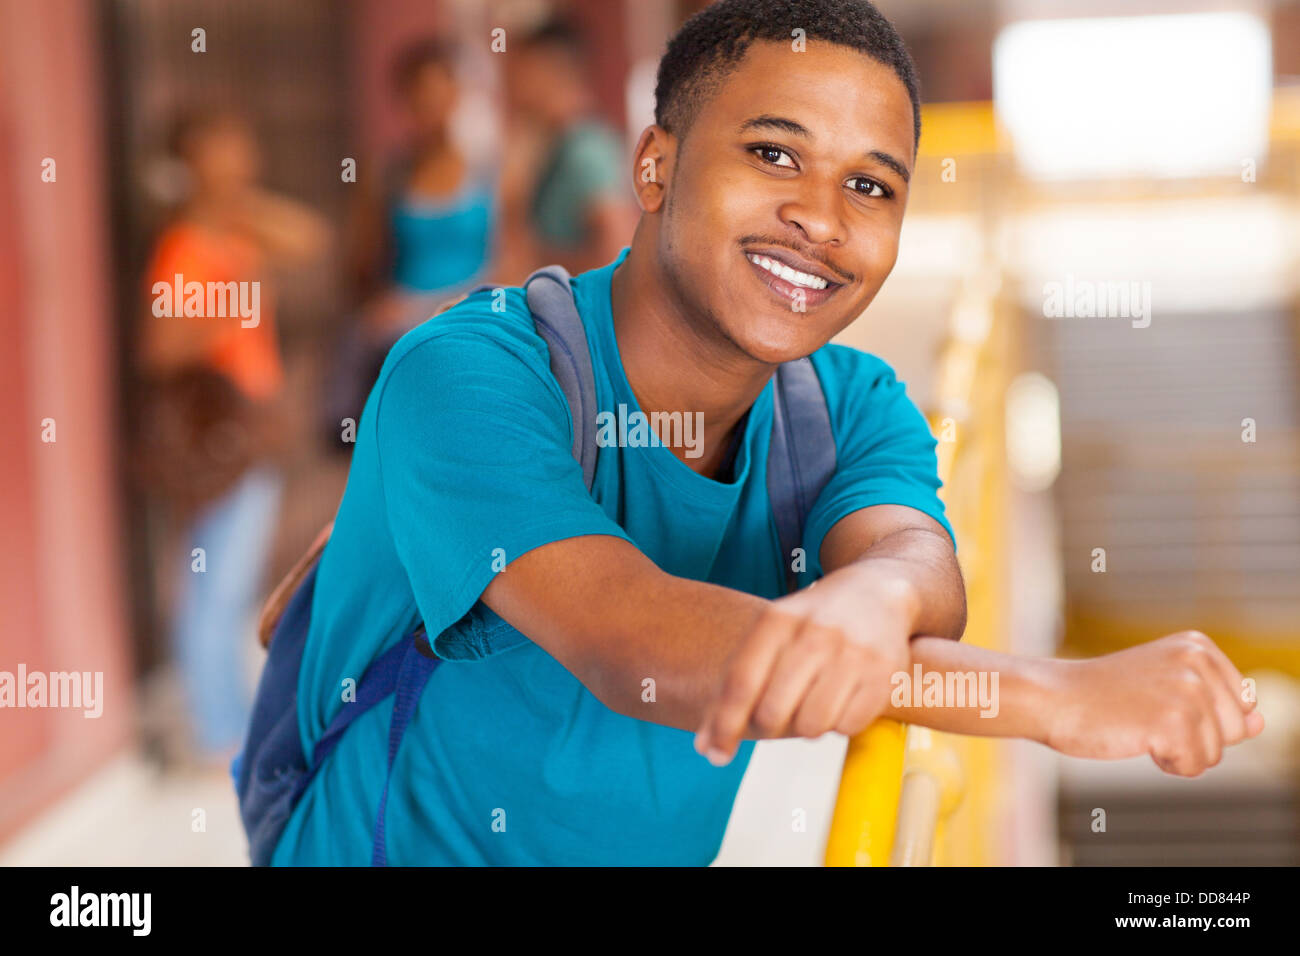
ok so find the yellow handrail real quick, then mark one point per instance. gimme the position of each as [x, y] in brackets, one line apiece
[897, 787]
[931, 789]
[900, 782]
[866, 808]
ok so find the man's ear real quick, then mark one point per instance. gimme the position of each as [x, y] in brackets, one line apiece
[653, 165]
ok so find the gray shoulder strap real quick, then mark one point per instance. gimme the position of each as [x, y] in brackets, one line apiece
[550, 299]
[801, 458]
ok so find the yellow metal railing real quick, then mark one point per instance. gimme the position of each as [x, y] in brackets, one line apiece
[866, 808]
[901, 784]
[909, 796]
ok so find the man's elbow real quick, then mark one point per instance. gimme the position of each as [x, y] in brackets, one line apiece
[958, 629]
[957, 625]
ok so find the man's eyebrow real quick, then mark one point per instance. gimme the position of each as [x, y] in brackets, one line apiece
[887, 160]
[776, 122]
[795, 128]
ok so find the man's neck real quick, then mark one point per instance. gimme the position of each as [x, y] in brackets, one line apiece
[678, 363]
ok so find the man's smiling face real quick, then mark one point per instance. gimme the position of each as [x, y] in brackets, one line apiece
[786, 197]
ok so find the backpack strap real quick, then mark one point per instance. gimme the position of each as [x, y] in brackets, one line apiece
[378, 681]
[550, 300]
[801, 458]
[412, 675]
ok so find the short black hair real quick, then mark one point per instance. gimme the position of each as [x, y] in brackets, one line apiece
[711, 44]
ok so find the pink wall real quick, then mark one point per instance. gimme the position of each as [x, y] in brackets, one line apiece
[61, 583]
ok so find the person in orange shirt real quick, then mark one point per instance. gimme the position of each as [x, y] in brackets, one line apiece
[210, 315]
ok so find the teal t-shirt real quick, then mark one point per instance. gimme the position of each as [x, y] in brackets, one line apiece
[463, 462]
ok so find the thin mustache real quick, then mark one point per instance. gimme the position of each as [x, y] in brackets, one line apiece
[807, 254]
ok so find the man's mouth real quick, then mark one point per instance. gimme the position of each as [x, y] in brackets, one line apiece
[798, 287]
[794, 276]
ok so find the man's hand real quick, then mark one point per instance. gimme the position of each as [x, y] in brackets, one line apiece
[818, 660]
[1177, 698]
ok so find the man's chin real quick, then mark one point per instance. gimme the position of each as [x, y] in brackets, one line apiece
[777, 350]
[773, 337]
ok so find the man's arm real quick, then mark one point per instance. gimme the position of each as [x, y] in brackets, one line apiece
[1177, 699]
[805, 664]
[887, 543]
[608, 614]
[891, 574]
[613, 619]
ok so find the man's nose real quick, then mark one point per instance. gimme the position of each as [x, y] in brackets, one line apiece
[815, 211]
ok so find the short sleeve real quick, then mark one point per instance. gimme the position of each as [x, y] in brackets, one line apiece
[885, 452]
[474, 448]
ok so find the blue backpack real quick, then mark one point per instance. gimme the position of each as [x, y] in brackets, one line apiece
[272, 772]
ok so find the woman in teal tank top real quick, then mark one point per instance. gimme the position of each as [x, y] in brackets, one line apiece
[441, 245]
[422, 237]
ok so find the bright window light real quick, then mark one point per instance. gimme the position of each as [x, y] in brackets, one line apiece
[1033, 435]
[1178, 95]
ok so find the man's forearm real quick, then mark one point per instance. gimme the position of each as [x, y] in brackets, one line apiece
[916, 565]
[616, 621]
[666, 649]
[678, 634]
[964, 689]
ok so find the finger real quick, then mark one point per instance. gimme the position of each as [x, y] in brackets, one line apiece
[1207, 734]
[1171, 766]
[1227, 704]
[829, 695]
[1254, 723]
[866, 704]
[1230, 674]
[1210, 739]
[1179, 746]
[796, 669]
[746, 676]
[1178, 755]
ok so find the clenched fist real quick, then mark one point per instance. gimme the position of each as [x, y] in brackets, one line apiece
[1177, 698]
[818, 660]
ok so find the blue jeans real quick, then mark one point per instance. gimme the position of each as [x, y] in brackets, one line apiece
[210, 634]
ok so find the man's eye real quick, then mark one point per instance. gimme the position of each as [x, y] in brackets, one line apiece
[869, 188]
[773, 155]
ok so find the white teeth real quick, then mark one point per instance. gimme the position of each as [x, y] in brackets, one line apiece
[793, 276]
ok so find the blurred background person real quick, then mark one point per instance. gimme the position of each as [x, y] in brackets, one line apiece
[566, 197]
[210, 406]
[424, 229]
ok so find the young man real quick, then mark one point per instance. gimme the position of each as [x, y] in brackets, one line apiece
[588, 635]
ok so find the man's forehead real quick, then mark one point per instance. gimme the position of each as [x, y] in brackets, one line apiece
[825, 82]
